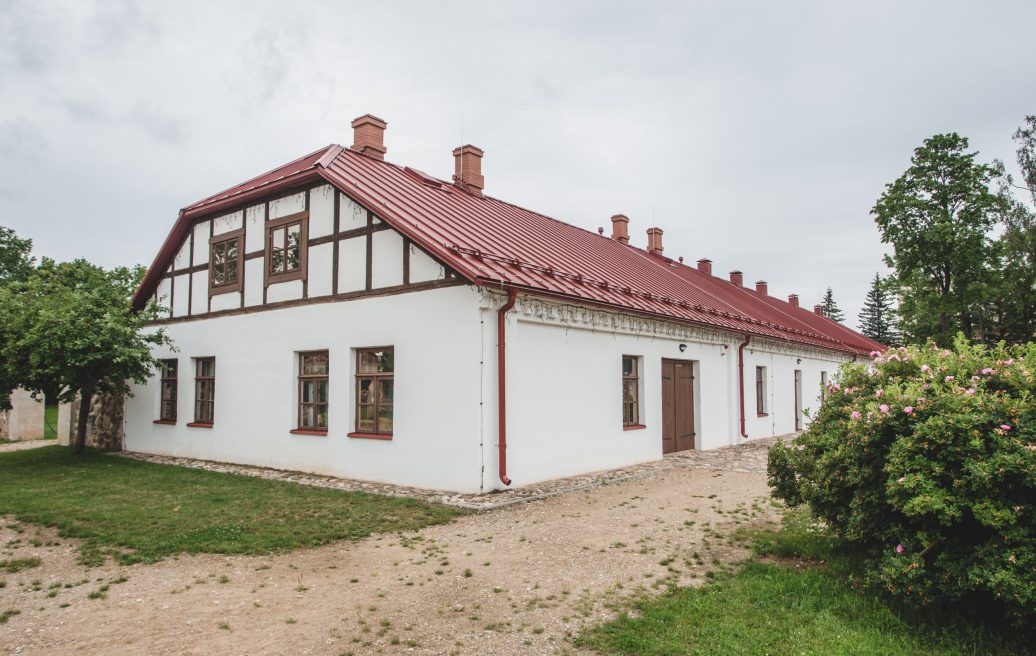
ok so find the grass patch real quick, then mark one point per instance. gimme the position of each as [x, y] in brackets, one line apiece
[18, 564]
[801, 604]
[139, 511]
[50, 421]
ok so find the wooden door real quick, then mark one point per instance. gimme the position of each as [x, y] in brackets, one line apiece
[677, 405]
[798, 400]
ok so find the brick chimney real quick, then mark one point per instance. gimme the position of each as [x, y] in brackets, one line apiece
[369, 136]
[793, 299]
[654, 241]
[620, 228]
[705, 266]
[737, 278]
[818, 309]
[468, 169]
[760, 286]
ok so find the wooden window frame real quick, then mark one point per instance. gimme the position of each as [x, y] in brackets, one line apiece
[390, 375]
[199, 381]
[633, 422]
[823, 386]
[303, 378]
[239, 284]
[760, 391]
[302, 218]
[163, 380]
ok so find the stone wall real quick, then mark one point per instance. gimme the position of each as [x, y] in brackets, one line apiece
[104, 428]
[4, 431]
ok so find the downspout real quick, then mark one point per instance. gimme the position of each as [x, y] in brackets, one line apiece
[501, 372]
[741, 381]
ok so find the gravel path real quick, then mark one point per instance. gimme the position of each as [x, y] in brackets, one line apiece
[521, 579]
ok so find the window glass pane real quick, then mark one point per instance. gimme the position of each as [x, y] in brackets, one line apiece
[231, 276]
[293, 249]
[385, 389]
[307, 391]
[365, 390]
[314, 363]
[321, 391]
[321, 419]
[365, 419]
[629, 366]
[371, 362]
[277, 250]
[231, 249]
[306, 420]
[385, 419]
[206, 368]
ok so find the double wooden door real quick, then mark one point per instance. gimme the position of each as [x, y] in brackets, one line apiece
[677, 405]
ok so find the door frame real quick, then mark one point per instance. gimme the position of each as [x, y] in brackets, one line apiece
[798, 399]
[693, 364]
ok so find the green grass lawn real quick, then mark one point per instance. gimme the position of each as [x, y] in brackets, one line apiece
[789, 603]
[50, 422]
[138, 511]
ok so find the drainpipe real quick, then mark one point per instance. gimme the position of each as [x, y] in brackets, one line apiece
[741, 381]
[501, 372]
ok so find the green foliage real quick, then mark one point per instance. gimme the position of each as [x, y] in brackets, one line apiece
[926, 462]
[938, 216]
[790, 606]
[831, 309]
[15, 261]
[137, 511]
[69, 329]
[878, 315]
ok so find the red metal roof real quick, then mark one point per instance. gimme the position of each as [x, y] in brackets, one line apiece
[494, 243]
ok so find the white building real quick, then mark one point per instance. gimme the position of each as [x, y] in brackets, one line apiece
[349, 316]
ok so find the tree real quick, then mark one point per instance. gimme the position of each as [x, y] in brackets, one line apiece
[938, 216]
[69, 329]
[831, 309]
[878, 316]
[15, 262]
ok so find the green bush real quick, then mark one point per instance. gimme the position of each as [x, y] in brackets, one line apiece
[925, 460]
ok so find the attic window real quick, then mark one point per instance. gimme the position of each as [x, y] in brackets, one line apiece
[286, 248]
[225, 263]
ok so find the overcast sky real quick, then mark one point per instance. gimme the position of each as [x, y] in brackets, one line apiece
[755, 134]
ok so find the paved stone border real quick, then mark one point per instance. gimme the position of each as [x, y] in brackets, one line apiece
[749, 457]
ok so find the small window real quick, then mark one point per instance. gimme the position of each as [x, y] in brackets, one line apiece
[823, 385]
[760, 391]
[313, 378]
[204, 390]
[167, 406]
[374, 390]
[630, 390]
[225, 263]
[286, 248]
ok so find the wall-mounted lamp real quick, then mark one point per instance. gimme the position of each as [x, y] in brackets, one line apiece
[683, 347]
[798, 360]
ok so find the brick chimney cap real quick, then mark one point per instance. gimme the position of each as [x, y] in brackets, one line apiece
[760, 282]
[468, 148]
[654, 231]
[735, 271]
[369, 118]
[705, 259]
[620, 217]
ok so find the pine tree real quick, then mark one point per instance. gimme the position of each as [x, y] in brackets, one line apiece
[878, 316]
[831, 310]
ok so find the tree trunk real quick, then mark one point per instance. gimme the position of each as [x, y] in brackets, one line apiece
[84, 415]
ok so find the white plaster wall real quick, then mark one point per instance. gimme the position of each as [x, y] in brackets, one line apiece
[780, 370]
[201, 242]
[386, 259]
[437, 378]
[181, 294]
[200, 293]
[319, 270]
[163, 292]
[227, 222]
[352, 215]
[284, 291]
[254, 281]
[255, 235]
[228, 301]
[288, 205]
[352, 264]
[321, 211]
[423, 268]
[183, 256]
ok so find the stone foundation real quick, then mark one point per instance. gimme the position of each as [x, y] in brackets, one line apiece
[104, 429]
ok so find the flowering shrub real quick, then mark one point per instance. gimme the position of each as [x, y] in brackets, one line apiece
[926, 460]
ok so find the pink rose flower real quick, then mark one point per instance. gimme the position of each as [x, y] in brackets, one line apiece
[899, 549]
[970, 391]
[950, 379]
[884, 409]
[987, 371]
[879, 393]
[1005, 427]
[909, 410]
[855, 414]
[925, 368]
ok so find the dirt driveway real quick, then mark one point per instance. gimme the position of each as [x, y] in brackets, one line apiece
[517, 580]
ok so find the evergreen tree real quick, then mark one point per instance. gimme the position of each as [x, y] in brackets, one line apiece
[831, 310]
[878, 316]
